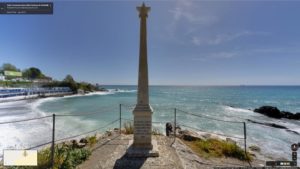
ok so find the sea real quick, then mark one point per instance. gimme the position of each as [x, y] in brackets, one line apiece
[211, 109]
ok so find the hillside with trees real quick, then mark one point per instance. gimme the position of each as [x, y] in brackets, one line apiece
[32, 74]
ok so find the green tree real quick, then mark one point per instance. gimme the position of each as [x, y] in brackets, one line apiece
[86, 86]
[70, 82]
[69, 79]
[33, 73]
[10, 67]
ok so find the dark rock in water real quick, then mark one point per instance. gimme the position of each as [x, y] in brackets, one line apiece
[103, 90]
[287, 114]
[268, 124]
[269, 111]
[274, 125]
[291, 131]
[296, 116]
[274, 112]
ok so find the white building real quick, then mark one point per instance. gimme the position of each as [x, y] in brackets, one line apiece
[2, 77]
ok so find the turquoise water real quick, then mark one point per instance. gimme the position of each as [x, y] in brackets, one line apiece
[226, 103]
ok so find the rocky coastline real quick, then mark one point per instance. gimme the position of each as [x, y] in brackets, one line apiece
[274, 112]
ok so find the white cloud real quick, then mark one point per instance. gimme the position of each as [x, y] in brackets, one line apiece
[186, 10]
[188, 16]
[223, 55]
[248, 52]
[195, 23]
[196, 41]
[227, 37]
[290, 49]
[216, 55]
[221, 38]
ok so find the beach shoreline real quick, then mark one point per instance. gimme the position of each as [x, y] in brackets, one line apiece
[55, 95]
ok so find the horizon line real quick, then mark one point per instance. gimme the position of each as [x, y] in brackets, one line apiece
[201, 85]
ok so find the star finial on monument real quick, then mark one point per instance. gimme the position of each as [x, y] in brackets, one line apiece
[143, 10]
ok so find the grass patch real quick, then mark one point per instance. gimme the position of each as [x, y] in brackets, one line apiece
[218, 148]
[128, 128]
[92, 140]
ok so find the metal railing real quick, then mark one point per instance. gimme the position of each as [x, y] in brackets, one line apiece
[53, 140]
[122, 118]
[176, 124]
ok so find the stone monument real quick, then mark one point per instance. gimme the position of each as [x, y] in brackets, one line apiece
[143, 145]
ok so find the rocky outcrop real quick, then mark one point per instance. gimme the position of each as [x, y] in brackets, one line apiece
[269, 111]
[274, 125]
[291, 131]
[84, 141]
[254, 148]
[297, 116]
[274, 112]
[188, 135]
[268, 124]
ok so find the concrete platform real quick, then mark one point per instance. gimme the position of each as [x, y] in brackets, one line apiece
[110, 153]
[142, 152]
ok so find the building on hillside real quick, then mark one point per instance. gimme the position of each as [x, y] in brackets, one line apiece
[43, 80]
[2, 77]
[12, 74]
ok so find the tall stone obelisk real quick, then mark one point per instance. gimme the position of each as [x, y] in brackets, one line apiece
[143, 111]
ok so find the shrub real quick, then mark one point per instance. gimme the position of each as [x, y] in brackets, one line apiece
[218, 148]
[92, 140]
[44, 157]
[128, 128]
[74, 157]
[65, 157]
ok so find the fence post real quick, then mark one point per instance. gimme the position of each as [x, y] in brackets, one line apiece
[53, 141]
[175, 122]
[245, 139]
[120, 118]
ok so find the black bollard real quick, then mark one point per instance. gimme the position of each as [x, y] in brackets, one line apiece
[168, 128]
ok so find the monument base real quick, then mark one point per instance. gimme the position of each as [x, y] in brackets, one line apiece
[142, 152]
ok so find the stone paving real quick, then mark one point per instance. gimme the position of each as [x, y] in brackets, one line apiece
[110, 153]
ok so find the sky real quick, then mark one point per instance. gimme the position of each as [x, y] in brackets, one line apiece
[189, 42]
